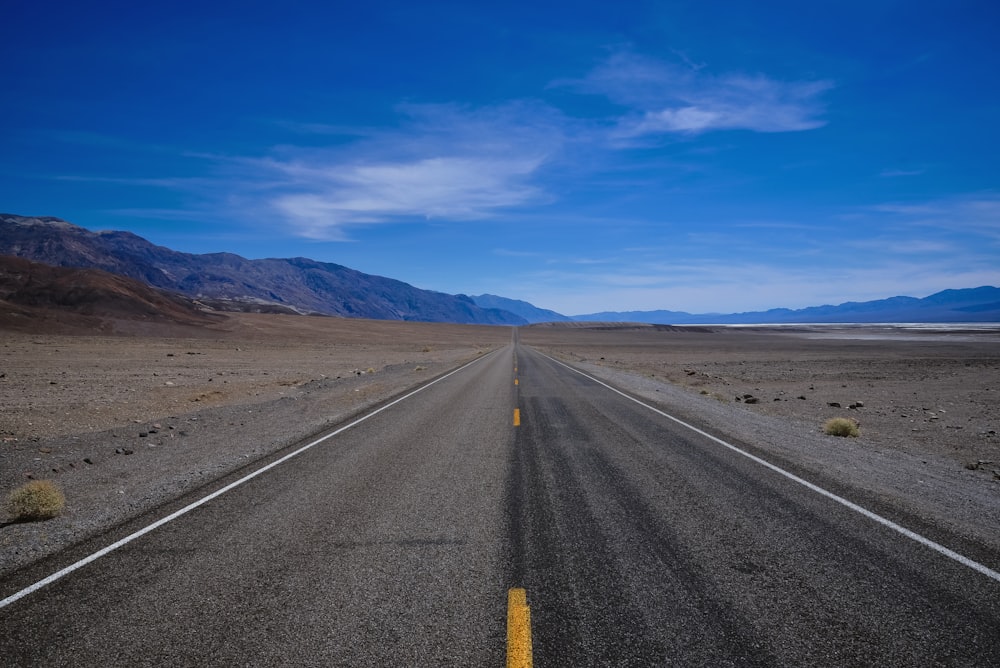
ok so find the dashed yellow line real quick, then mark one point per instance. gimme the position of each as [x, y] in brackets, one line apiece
[515, 381]
[518, 629]
[517, 417]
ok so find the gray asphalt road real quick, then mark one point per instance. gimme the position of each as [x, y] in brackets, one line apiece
[378, 547]
[640, 543]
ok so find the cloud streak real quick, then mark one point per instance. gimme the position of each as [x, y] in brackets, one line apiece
[664, 98]
[444, 162]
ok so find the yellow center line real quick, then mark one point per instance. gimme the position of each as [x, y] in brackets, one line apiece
[517, 417]
[515, 381]
[518, 629]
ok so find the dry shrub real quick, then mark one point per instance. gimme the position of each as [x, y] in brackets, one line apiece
[840, 426]
[35, 500]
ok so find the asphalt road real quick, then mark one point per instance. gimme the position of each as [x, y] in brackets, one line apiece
[639, 542]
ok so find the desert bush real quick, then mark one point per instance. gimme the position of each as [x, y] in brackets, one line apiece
[840, 426]
[35, 500]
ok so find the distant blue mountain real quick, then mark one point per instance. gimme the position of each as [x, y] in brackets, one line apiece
[968, 305]
[529, 312]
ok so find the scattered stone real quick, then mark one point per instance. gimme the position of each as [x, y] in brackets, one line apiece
[690, 372]
[124, 451]
[87, 460]
[45, 451]
[750, 400]
[833, 404]
[802, 397]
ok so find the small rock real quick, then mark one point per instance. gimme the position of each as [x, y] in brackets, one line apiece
[143, 434]
[87, 460]
[751, 400]
[802, 397]
[45, 451]
[833, 404]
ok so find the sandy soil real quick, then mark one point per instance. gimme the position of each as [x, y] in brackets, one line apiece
[126, 423]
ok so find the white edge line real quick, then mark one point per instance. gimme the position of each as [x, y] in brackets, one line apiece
[937, 547]
[186, 509]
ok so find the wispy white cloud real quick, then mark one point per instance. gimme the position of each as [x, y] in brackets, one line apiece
[443, 161]
[666, 98]
[452, 187]
[972, 213]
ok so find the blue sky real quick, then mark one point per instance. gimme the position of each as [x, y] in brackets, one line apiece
[696, 156]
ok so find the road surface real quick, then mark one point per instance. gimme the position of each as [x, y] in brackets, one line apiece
[638, 541]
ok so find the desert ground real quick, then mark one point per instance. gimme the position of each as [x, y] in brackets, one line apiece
[922, 390]
[127, 423]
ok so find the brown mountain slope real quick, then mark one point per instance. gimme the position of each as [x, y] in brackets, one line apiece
[43, 298]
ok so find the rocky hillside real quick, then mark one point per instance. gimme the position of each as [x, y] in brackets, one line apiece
[38, 297]
[304, 285]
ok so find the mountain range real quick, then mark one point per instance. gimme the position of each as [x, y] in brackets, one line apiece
[224, 281]
[236, 283]
[980, 304]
